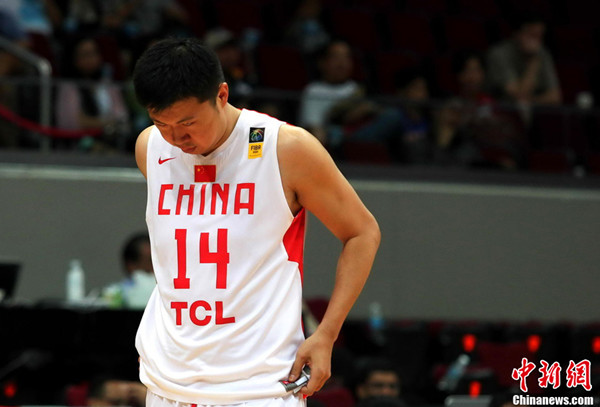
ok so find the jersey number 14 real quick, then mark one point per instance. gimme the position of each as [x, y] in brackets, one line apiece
[220, 257]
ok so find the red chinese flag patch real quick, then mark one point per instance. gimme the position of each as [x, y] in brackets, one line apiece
[205, 173]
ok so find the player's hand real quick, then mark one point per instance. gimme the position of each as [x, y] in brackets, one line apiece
[316, 353]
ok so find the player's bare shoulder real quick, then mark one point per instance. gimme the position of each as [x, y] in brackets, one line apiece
[141, 149]
[296, 149]
[303, 161]
[296, 145]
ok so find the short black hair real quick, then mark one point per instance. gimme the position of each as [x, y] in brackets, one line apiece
[524, 18]
[459, 61]
[174, 69]
[132, 248]
[323, 51]
[369, 365]
[406, 76]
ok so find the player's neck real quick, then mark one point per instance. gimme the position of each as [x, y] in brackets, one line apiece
[232, 115]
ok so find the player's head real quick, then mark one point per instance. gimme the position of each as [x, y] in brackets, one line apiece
[335, 62]
[530, 30]
[375, 378]
[136, 254]
[176, 69]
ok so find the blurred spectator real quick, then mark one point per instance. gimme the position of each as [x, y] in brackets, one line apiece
[452, 143]
[138, 22]
[12, 30]
[146, 18]
[469, 69]
[36, 16]
[521, 68]
[413, 144]
[470, 129]
[234, 63]
[335, 86]
[334, 108]
[376, 378]
[80, 16]
[90, 100]
[104, 392]
[137, 286]
[306, 29]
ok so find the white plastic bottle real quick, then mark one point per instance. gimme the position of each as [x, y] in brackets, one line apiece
[377, 323]
[75, 282]
[454, 373]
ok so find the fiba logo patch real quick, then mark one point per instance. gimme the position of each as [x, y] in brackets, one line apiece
[257, 134]
[256, 139]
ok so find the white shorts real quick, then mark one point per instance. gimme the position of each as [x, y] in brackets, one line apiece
[153, 400]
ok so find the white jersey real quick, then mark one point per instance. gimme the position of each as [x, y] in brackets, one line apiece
[224, 322]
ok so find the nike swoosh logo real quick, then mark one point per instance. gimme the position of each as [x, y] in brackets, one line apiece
[165, 160]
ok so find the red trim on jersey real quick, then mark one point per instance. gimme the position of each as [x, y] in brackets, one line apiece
[293, 240]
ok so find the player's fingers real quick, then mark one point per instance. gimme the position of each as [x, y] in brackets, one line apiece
[296, 368]
[318, 377]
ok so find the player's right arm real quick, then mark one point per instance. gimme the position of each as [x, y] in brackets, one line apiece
[141, 149]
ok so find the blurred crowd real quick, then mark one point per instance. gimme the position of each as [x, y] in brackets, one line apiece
[447, 83]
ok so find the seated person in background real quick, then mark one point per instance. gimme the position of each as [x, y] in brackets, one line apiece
[469, 70]
[36, 16]
[335, 109]
[233, 62]
[412, 145]
[98, 103]
[521, 69]
[376, 378]
[332, 91]
[453, 144]
[112, 392]
[135, 289]
[307, 30]
[470, 128]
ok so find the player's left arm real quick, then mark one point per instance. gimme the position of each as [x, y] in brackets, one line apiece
[313, 181]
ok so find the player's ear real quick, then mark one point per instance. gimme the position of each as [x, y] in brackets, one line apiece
[223, 94]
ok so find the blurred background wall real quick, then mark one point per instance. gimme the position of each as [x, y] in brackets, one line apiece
[449, 250]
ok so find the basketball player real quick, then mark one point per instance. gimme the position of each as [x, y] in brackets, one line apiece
[227, 194]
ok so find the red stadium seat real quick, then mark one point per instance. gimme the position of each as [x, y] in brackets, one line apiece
[357, 26]
[573, 78]
[366, 152]
[428, 6]
[387, 65]
[480, 8]
[281, 67]
[502, 358]
[412, 32]
[574, 42]
[76, 395]
[593, 163]
[111, 53]
[556, 162]
[335, 397]
[196, 19]
[238, 15]
[465, 33]
[42, 45]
